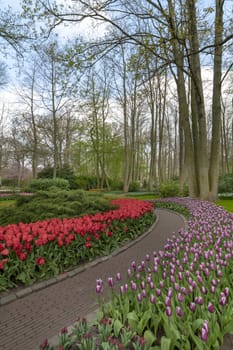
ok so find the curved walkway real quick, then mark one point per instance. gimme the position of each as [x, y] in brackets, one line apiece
[27, 320]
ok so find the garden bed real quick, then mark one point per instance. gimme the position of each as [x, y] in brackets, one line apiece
[178, 298]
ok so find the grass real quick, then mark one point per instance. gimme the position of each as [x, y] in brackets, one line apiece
[7, 203]
[226, 204]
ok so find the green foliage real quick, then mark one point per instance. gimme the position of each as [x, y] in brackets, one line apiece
[225, 184]
[10, 182]
[226, 204]
[172, 189]
[86, 182]
[134, 187]
[53, 204]
[66, 172]
[169, 189]
[116, 185]
[173, 206]
[46, 184]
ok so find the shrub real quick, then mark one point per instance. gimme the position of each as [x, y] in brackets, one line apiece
[134, 186]
[86, 182]
[225, 184]
[116, 185]
[65, 172]
[169, 189]
[53, 204]
[46, 184]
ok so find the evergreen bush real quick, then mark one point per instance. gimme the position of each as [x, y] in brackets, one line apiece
[225, 184]
[169, 189]
[46, 184]
[53, 204]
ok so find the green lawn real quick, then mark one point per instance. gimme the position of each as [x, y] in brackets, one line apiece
[226, 204]
[7, 203]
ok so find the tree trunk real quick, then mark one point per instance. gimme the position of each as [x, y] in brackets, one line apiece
[216, 103]
[198, 103]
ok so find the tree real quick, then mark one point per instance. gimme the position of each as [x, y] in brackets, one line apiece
[56, 90]
[174, 28]
[14, 30]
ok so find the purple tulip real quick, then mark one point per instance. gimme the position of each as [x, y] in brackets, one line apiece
[147, 257]
[133, 265]
[169, 294]
[133, 285]
[190, 289]
[179, 311]
[192, 306]
[122, 289]
[152, 299]
[214, 282]
[99, 288]
[139, 297]
[180, 276]
[152, 285]
[180, 297]
[161, 284]
[222, 300]
[199, 300]
[143, 285]
[194, 284]
[172, 279]
[204, 331]
[211, 308]
[110, 282]
[140, 268]
[203, 290]
[168, 301]
[184, 290]
[158, 292]
[212, 289]
[118, 276]
[168, 311]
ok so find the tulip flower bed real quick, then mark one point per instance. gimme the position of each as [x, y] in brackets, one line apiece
[39, 250]
[181, 297]
[177, 298]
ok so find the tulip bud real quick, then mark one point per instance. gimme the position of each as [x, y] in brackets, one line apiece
[192, 306]
[179, 311]
[211, 308]
[110, 282]
[152, 299]
[204, 331]
[168, 311]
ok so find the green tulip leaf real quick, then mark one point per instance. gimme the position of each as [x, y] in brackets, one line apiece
[117, 327]
[165, 343]
[228, 329]
[133, 320]
[149, 337]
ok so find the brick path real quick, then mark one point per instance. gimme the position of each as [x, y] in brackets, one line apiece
[26, 321]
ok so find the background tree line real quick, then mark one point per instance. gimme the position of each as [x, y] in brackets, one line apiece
[131, 104]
